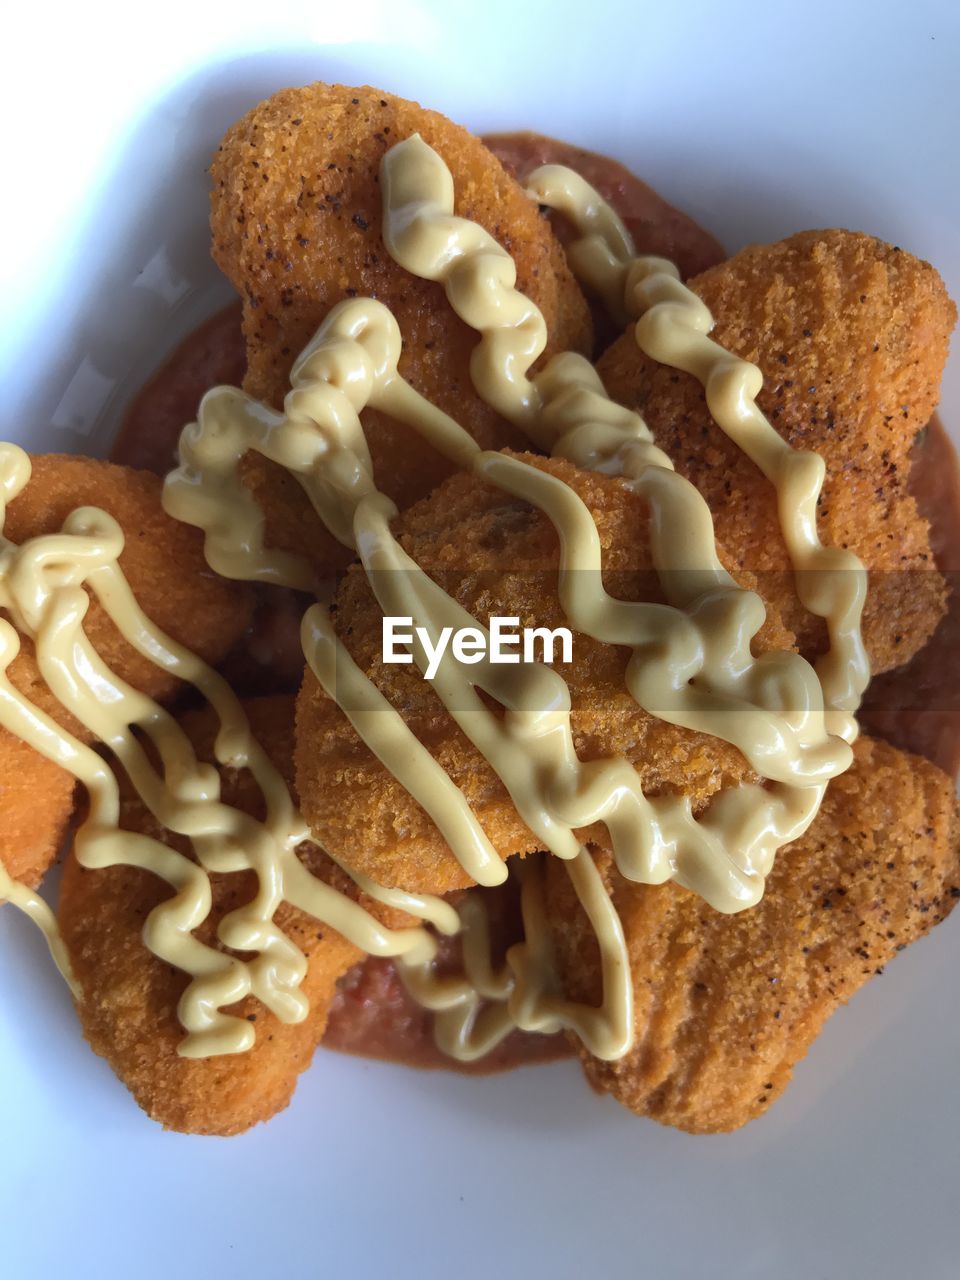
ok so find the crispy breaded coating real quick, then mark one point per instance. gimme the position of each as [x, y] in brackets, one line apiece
[297, 227]
[496, 556]
[129, 1000]
[726, 1005]
[656, 226]
[163, 562]
[36, 804]
[851, 336]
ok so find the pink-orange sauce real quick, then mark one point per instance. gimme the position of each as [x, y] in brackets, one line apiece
[372, 1014]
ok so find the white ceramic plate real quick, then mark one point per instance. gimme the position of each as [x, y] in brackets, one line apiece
[758, 118]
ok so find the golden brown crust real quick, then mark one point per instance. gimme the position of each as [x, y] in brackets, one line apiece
[494, 555]
[851, 336]
[129, 997]
[297, 226]
[36, 804]
[162, 560]
[726, 1005]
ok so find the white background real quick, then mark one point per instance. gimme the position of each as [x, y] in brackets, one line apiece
[759, 119]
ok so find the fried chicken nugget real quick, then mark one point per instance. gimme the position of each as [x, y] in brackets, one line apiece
[725, 1006]
[163, 561]
[129, 997]
[297, 227]
[496, 556]
[851, 336]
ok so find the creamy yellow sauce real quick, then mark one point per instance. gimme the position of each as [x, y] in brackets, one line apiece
[672, 328]
[44, 585]
[710, 678]
[694, 658]
[691, 657]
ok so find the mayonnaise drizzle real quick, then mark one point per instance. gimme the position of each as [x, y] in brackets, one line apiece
[475, 1010]
[42, 588]
[692, 658]
[772, 708]
[672, 328]
[692, 661]
[352, 363]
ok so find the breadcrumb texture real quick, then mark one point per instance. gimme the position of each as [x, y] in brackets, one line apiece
[163, 561]
[129, 997]
[496, 556]
[851, 335]
[725, 1006]
[36, 804]
[297, 227]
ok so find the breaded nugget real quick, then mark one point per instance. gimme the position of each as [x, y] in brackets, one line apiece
[726, 1005]
[297, 227]
[36, 803]
[163, 562]
[851, 336]
[129, 997]
[496, 556]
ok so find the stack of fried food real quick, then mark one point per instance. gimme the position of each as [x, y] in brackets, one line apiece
[851, 335]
